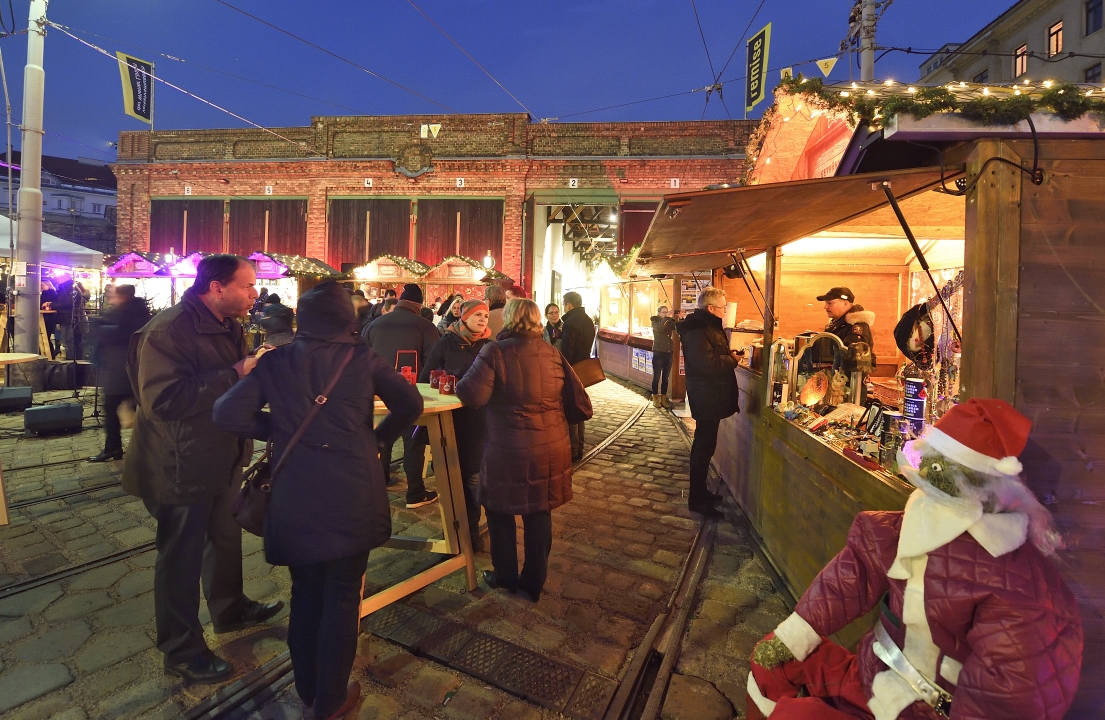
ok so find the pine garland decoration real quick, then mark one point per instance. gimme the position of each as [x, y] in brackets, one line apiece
[873, 104]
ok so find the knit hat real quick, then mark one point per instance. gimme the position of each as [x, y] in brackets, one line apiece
[325, 313]
[470, 307]
[412, 293]
[985, 435]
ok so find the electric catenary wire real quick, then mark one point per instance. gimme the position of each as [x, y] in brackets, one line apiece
[175, 87]
[76, 142]
[181, 60]
[333, 54]
[469, 56]
[678, 94]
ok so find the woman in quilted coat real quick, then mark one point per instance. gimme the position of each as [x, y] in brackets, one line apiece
[527, 387]
[974, 621]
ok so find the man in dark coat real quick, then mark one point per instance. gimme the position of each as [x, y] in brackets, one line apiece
[377, 309]
[186, 469]
[329, 505]
[848, 321]
[125, 316]
[575, 345]
[711, 389]
[404, 338]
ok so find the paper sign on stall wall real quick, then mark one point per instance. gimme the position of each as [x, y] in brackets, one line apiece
[21, 268]
[648, 362]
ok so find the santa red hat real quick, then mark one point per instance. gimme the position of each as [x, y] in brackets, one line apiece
[984, 434]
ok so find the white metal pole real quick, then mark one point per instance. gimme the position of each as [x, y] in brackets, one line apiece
[29, 248]
[867, 42]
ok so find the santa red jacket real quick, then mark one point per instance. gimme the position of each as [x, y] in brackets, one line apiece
[972, 606]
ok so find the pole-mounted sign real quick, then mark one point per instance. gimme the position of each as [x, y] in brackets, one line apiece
[137, 78]
[756, 71]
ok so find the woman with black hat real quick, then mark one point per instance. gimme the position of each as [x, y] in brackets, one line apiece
[329, 505]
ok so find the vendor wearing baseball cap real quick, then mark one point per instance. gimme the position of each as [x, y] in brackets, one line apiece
[847, 320]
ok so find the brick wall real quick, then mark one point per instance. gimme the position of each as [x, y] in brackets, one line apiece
[497, 155]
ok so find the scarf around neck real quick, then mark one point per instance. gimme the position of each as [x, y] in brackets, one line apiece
[467, 337]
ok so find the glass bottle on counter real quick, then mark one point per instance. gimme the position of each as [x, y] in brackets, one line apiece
[780, 390]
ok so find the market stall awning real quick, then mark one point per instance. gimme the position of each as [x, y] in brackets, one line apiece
[55, 251]
[697, 231]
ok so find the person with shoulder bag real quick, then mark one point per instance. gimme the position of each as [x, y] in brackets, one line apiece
[531, 394]
[577, 339]
[329, 505]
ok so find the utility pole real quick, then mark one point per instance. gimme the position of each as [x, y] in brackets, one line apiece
[867, 42]
[29, 248]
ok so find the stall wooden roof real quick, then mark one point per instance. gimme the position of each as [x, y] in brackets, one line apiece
[697, 231]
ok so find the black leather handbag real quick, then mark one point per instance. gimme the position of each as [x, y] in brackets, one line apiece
[252, 502]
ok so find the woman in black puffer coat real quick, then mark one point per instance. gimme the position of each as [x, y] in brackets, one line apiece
[527, 461]
[329, 505]
[454, 353]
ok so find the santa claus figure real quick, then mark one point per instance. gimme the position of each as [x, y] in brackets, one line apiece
[974, 622]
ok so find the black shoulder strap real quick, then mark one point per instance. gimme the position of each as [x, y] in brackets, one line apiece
[312, 413]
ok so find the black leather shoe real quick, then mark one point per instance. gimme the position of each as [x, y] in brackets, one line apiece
[105, 456]
[203, 668]
[493, 582]
[255, 614]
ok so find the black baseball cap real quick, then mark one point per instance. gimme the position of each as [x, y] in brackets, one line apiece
[838, 293]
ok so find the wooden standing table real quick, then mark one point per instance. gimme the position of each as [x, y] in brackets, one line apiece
[437, 418]
[7, 360]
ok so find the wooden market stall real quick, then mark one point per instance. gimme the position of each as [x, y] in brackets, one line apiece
[148, 272]
[1032, 301]
[289, 276]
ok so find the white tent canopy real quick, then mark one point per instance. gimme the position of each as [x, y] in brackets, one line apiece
[54, 250]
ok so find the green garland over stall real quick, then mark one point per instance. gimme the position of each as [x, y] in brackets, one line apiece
[871, 104]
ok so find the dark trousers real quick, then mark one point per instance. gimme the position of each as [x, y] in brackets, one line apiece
[472, 505]
[537, 543]
[575, 434]
[702, 449]
[415, 441]
[661, 365]
[197, 543]
[113, 430]
[322, 629]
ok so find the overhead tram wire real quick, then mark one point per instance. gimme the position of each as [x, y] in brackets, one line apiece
[678, 94]
[710, 61]
[469, 56]
[333, 54]
[181, 60]
[994, 53]
[76, 142]
[176, 87]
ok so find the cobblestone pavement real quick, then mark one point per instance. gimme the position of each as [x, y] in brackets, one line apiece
[83, 647]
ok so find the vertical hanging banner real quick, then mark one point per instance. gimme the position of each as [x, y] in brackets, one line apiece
[137, 78]
[756, 71]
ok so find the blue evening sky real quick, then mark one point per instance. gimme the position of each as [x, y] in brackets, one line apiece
[560, 58]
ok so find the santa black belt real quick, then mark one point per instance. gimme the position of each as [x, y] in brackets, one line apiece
[929, 692]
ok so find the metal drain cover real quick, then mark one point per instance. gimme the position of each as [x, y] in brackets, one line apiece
[522, 672]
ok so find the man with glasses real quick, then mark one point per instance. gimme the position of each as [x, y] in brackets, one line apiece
[711, 390]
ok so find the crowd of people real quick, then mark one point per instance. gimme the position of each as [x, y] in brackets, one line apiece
[203, 398]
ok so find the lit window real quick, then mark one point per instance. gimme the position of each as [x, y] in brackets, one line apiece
[1055, 39]
[1092, 74]
[1020, 61]
[982, 77]
[1093, 16]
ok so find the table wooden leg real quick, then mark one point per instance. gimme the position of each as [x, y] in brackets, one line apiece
[4, 519]
[458, 500]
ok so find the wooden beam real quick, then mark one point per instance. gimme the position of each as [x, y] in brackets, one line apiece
[991, 256]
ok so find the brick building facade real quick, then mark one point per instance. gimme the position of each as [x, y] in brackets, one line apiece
[499, 157]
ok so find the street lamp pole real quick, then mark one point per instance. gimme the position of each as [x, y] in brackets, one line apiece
[29, 247]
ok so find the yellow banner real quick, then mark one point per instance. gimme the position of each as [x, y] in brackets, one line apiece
[137, 76]
[759, 45]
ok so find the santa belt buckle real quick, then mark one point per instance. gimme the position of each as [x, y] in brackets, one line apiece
[933, 695]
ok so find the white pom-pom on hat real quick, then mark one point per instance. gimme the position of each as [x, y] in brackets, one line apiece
[1009, 466]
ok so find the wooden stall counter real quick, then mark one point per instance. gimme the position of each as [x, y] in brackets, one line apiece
[800, 492]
